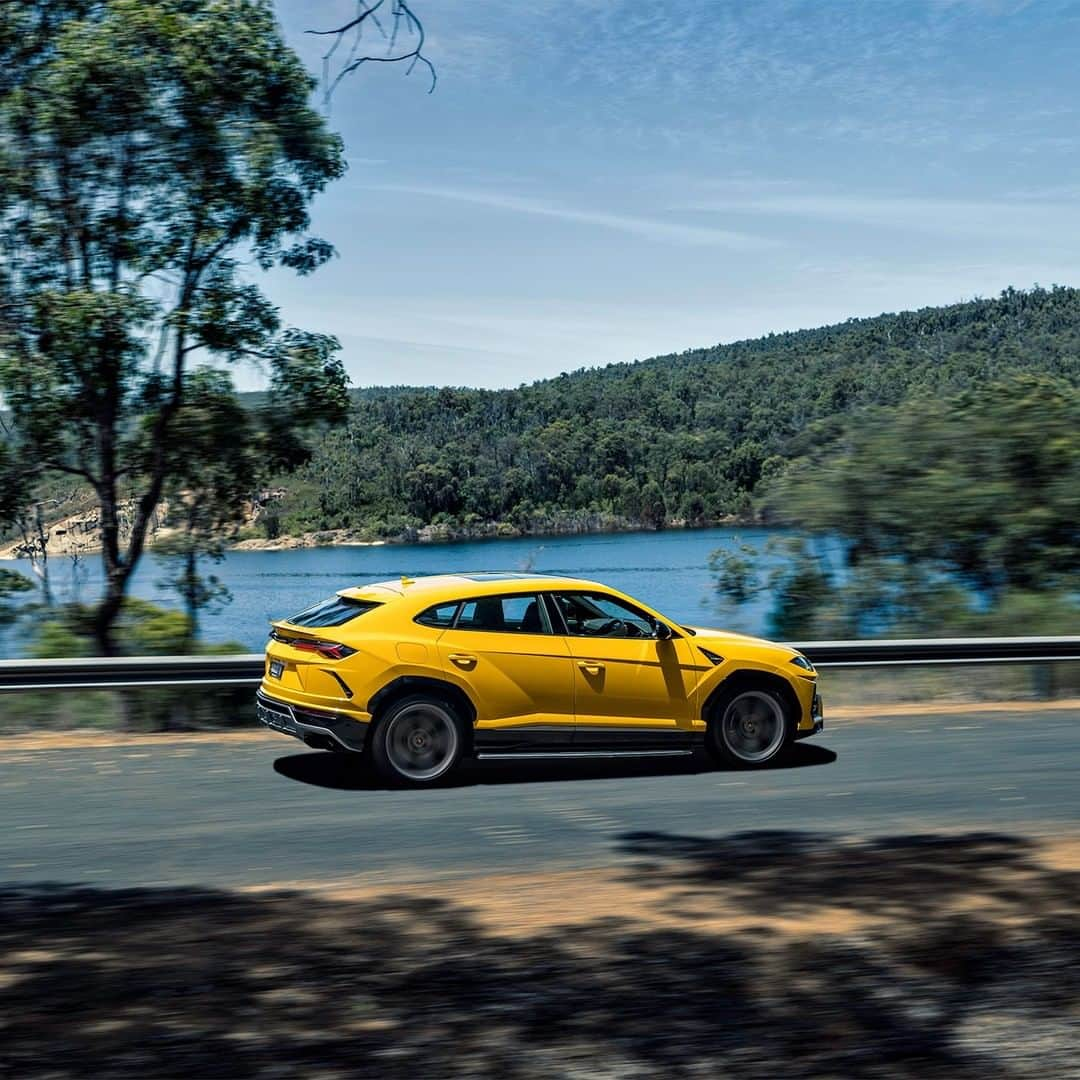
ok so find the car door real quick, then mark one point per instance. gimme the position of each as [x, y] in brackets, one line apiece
[631, 690]
[519, 672]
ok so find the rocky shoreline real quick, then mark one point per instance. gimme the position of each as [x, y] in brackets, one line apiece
[76, 538]
[446, 534]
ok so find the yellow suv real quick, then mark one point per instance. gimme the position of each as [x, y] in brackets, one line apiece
[420, 673]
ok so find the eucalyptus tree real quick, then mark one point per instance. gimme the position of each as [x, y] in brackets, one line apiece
[151, 152]
[218, 463]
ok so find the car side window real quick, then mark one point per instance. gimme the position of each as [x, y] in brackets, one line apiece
[599, 615]
[441, 615]
[509, 614]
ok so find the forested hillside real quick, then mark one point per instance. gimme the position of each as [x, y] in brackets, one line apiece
[682, 437]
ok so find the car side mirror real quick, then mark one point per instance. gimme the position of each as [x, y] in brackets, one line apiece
[662, 632]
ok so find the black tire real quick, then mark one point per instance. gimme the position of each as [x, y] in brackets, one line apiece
[418, 740]
[749, 726]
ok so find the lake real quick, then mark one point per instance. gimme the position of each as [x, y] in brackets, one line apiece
[668, 570]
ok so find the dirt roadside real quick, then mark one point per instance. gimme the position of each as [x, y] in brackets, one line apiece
[520, 904]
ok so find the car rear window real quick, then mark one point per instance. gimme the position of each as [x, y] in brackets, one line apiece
[334, 611]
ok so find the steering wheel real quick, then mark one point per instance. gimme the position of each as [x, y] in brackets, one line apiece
[611, 628]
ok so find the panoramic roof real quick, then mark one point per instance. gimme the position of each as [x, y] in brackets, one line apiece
[499, 575]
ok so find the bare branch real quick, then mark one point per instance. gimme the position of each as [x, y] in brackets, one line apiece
[364, 13]
[404, 19]
[73, 470]
[234, 351]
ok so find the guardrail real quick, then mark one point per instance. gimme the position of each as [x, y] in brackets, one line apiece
[898, 652]
[111, 673]
[116, 672]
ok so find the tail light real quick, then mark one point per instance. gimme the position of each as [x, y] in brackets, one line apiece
[328, 650]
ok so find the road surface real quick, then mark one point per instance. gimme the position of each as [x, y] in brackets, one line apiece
[268, 811]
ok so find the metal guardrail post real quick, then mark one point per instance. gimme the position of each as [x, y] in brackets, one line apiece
[1042, 681]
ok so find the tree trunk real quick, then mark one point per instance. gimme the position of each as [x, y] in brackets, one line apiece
[39, 560]
[105, 618]
[191, 599]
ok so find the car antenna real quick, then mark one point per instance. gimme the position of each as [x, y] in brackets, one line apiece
[405, 580]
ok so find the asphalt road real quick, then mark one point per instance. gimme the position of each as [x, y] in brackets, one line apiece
[272, 812]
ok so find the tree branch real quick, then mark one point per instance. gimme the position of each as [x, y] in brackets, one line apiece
[339, 32]
[194, 269]
[401, 14]
[125, 169]
[73, 470]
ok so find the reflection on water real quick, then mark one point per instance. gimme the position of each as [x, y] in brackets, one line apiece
[668, 570]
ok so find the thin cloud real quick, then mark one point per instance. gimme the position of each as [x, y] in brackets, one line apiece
[963, 216]
[649, 228]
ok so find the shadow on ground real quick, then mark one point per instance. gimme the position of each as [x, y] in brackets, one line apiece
[965, 964]
[346, 772]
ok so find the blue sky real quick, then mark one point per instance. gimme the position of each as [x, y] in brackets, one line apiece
[597, 181]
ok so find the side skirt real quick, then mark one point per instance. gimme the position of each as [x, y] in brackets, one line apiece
[545, 741]
[518, 755]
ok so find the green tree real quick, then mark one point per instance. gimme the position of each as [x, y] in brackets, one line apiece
[653, 505]
[983, 487]
[146, 148]
[216, 468]
[799, 587]
[12, 584]
[958, 514]
[735, 573]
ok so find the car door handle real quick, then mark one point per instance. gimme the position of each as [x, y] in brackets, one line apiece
[590, 667]
[462, 659]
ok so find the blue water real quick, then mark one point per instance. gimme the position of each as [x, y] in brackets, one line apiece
[668, 570]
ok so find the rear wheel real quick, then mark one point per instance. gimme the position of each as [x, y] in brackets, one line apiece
[749, 726]
[419, 740]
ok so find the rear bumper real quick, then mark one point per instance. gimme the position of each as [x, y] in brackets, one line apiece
[324, 730]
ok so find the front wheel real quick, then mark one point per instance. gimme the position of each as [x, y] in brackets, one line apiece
[749, 727]
[418, 741]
